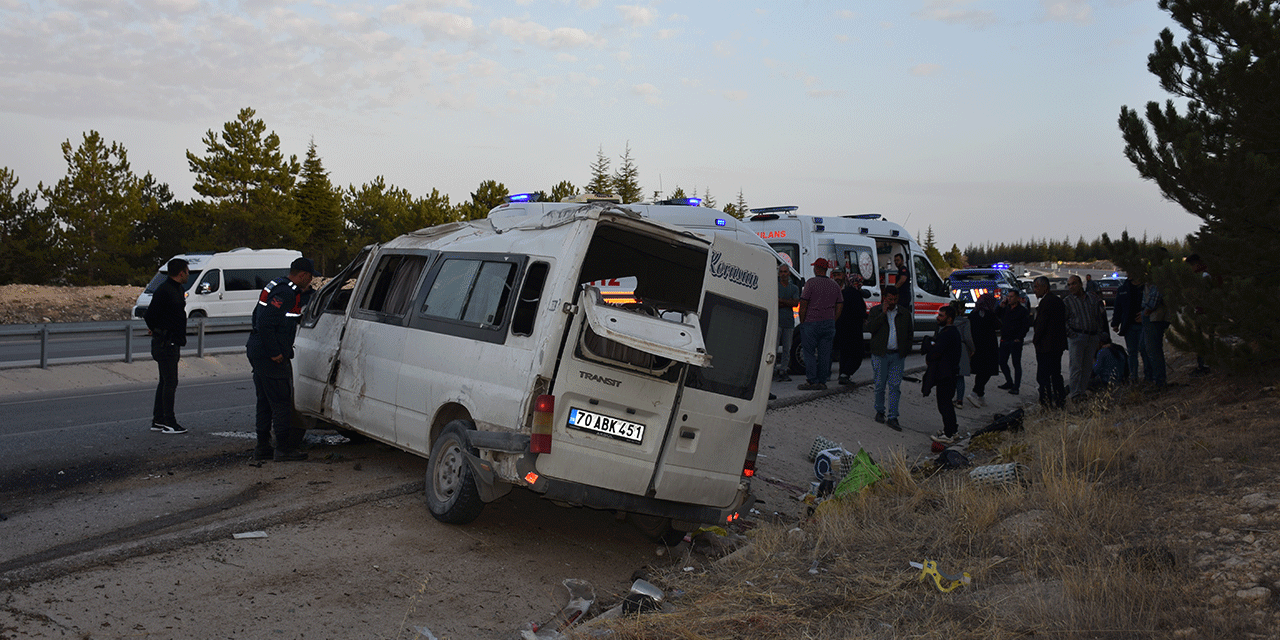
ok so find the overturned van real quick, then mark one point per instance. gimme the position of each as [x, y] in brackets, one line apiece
[485, 347]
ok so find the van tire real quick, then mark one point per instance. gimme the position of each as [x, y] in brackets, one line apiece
[198, 313]
[656, 528]
[451, 490]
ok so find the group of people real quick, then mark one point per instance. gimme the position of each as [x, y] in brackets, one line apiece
[269, 349]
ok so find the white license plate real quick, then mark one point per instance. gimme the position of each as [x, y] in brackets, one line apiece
[604, 425]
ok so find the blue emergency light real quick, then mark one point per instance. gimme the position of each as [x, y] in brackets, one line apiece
[720, 222]
[522, 197]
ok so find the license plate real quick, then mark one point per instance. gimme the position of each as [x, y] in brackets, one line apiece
[604, 425]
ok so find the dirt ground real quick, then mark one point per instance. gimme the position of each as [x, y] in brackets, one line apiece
[32, 304]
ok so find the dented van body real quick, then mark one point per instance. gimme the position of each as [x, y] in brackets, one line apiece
[485, 347]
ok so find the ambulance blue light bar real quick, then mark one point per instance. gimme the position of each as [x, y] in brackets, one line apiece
[1002, 265]
[523, 197]
[684, 202]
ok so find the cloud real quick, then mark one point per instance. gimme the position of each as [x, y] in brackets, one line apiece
[723, 49]
[1077, 11]
[845, 14]
[953, 12]
[735, 96]
[650, 93]
[824, 93]
[666, 34]
[526, 31]
[926, 69]
[434, 24]
[636, 16]
[840, 37]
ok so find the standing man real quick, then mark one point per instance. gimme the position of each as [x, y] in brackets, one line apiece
[890, 328]
[270, 350]
[849, 326]
[788, 298]
[903, 282]
[1015, 321]
[166, 319]
[943, 362]
[1155, 320]
[1086, 322]
[820, 304]
[1126, 320]
[1050, 340]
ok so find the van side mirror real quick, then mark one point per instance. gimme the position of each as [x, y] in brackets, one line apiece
[204, 288]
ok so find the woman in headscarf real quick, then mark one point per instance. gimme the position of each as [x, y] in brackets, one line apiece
[984, 362]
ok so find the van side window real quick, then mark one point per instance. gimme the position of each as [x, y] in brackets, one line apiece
[530, 297]
[474, 291]
[395, 281]
[210, 282]
[251, 279]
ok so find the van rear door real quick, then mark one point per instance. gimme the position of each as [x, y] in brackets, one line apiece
[719, 405]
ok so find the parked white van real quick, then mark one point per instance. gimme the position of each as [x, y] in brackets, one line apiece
[225, 284]
[484, 347]
[864, 244]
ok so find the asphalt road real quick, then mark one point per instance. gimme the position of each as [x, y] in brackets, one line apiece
[82, 348]
[56, 438]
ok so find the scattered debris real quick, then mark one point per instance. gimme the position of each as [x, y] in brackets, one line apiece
[424, 632]
[930, 570]
[997, 474]
[581, 597]
[249, 534]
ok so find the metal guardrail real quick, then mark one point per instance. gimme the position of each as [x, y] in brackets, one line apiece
[126, 331]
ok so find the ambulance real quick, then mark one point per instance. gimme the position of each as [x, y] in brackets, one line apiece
[865, 244]
[488, 348]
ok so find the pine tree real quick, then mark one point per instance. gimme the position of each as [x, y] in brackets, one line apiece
[741, 207]
[626, 182]
[707, 200]
[376, 212]
[96, 207]
[564, 189]
[1216, 152]
[319, 208]
[249, 185]
[601, 181]
[488, 195]
[28, 254]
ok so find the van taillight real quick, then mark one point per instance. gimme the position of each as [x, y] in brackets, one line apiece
[544, 410]
[753, 450]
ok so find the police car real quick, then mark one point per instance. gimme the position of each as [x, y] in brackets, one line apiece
[967, 285]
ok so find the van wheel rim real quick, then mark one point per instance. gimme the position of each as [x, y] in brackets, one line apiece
[448, 475]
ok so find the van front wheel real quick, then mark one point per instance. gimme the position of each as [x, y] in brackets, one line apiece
[451, 488]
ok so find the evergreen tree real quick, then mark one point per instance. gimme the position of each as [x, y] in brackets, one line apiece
[931, 250]
[434, 209]
[96, 207]
[601, 181]
[489, 195]
[168, 229]
[564, 189]
[28, 254]
[741, 208]
[707, 200]
[626, 182]
[1219, 158]
[677, 194]
[374, 211]
[956, 259]
[249, 186]
[319, 208]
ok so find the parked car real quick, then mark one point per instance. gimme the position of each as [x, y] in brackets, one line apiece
[1108, 288]
[967, 285]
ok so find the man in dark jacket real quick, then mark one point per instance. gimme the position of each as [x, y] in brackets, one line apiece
[890, 326]
[849, 326]
[943, 365]
[1015, 321]
[1050, 340]
[270, 350]
[1126, 320]
[166, 319]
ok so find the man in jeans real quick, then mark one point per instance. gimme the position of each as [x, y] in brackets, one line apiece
[891, 332]
[1086, 321]
[166, 319]
[820, 305]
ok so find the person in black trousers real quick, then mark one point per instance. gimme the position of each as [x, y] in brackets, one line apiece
[943, 365]
[849, 327]
[166, 319]
[270, 352]
[1015, 321]
[1050, 340]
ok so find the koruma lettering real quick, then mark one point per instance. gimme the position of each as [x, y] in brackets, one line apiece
[733, 273]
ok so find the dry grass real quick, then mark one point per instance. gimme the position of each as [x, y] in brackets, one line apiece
[1094, 544]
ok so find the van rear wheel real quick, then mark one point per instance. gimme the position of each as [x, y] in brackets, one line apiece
[451, 487]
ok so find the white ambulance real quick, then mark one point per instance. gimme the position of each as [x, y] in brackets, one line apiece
[225, 284]
[485, 347]
[865, 244]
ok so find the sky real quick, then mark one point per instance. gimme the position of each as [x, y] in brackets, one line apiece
[985, 120]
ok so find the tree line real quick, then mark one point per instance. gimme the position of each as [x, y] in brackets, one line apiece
[102, 223]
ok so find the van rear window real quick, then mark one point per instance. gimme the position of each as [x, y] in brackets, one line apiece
[734, 333]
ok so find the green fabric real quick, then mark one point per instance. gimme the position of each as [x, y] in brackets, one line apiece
[862, 473]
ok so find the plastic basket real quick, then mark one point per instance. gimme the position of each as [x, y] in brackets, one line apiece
[995, 474]
[821, 444]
